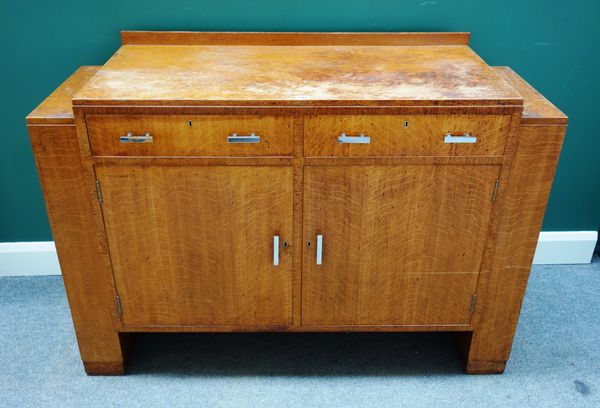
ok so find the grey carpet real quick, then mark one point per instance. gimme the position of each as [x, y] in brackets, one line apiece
[555, 360]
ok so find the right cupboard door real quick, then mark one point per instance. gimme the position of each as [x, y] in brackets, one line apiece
[394, 245]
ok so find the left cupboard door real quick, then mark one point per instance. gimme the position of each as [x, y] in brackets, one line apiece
[197, 245]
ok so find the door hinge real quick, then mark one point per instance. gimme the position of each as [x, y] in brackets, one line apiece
[473, 303]
[495, 190]
[98, 191]
[119, 307]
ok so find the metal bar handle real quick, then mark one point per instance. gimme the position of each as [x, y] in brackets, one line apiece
[251, 138]
[131, 138]
[360, 139]
[319, 249]
[466, 138]
[276, 250]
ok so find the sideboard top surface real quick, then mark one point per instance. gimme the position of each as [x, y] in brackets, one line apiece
[292, 75]
[57, 108]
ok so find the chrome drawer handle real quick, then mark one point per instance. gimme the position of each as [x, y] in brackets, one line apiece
[319, 249]
[466, 138]
[360, 139]
[251, 138]
[276, 250]
[131, 138]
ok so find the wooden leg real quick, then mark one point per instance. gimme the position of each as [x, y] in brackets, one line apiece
[74, 213]
[105, 360]
[103, 368]
[505, 271]
[476, 363]
[490, 359]
[485, 367]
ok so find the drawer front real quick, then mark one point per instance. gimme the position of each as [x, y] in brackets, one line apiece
[396, 135]
[190, 135]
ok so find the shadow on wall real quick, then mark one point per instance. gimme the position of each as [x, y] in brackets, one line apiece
[295, 354]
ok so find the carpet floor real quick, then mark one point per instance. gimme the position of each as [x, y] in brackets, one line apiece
[555, 360]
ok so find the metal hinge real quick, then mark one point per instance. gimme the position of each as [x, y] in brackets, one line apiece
[98, 191]
[495, 190]
[473, 303]
[119, 307]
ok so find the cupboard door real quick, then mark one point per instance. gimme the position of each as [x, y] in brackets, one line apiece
[195, 245]
[397, 245]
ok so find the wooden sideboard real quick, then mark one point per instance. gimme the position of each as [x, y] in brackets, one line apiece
[295, 182]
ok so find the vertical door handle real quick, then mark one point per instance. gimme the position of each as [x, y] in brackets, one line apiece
[276, 250]
[319, 249]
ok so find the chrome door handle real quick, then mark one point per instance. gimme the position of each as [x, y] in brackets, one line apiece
[360, 139]
[251, 138]
[131, 138]
[466, 138]
[319, 249]
[276, 250]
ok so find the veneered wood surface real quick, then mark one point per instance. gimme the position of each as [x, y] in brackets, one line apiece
[405, 135]
[80, 244]
[291, 38]
[58, 107]
[296, 76]
[173, 135]
[536, 108]
[382, 202]
[523, 202]
[298, 110]
[194, 245]
[304, 328]
[297, 247]
[402, 244]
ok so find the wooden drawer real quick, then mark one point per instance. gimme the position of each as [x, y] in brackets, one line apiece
[190, 135]
[396, 135]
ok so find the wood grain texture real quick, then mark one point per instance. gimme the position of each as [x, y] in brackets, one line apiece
[194, 245]
[80, 245]
[523, 202]
[291, 38]
[536, 108]
[185, 75]
[410, 230]
[58, 107]
[486, 367]
[298, 220]
[102, 368]
[173, 135]
[401, 160]
[423, 109]
[405, 135]
[402, 244]
[456, 328]
[207, 161]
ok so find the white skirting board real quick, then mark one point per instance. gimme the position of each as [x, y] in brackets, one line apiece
[28, 258]
[567, 247]
[39, 258]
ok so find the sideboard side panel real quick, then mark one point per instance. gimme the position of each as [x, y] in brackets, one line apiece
[81, 247]
[524, 199]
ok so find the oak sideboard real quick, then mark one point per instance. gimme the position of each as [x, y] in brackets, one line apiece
[308, 182]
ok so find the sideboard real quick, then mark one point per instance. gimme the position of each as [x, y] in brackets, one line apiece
[204, 181]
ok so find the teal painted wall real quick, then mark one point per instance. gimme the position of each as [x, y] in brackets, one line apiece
[555, 45]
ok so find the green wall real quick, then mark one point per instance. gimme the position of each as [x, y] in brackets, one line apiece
[555, 45]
